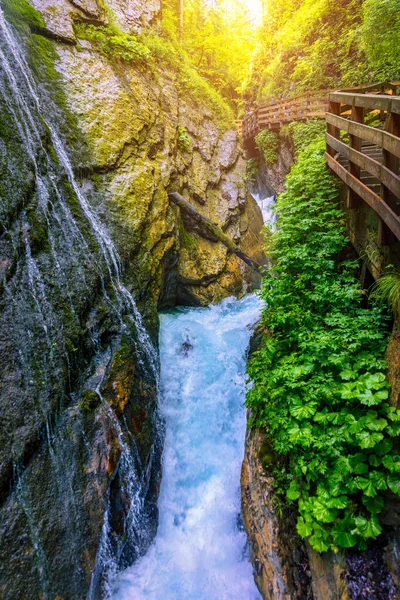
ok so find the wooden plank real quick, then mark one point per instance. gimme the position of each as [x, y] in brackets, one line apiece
[373, 200]
[381, 138]
[375, 168]
[374, 101]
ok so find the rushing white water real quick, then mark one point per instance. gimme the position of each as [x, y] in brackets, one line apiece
[266, 205]
[200, 552]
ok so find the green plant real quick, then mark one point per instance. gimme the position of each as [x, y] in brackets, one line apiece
[252, 168]
[320, 390]
[115, 44]
[304, 134]
[387, 289]
[184, 140]
[267, 142]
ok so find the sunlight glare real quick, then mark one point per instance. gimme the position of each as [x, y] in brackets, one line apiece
[255, 9]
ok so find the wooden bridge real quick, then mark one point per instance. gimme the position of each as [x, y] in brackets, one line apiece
[363, 143]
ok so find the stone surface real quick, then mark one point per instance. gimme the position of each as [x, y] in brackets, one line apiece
[276, 553]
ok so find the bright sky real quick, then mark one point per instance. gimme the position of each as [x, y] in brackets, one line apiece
[255, 9]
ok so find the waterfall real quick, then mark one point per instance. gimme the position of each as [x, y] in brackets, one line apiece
[266, 204]
[200, 552]
[80, 249]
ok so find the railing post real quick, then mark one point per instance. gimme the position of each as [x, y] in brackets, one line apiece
[385, 235]
[334, 109]
[357, 115]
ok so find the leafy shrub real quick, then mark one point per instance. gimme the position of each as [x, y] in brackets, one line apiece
[320, 390]
[304, 134]
[267, 142]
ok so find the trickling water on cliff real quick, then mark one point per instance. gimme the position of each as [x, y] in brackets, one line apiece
[59, 259]
[201, 548]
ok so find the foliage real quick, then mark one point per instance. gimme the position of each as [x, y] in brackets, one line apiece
[380, 37]
[318, 44]
[252, 168]
[219, 39]
[184, 141]
[387, 289]
[320, 390]
[113, 43]
[304, 134]
[267, 142]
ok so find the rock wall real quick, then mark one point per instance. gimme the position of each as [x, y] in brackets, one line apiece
[80, 436]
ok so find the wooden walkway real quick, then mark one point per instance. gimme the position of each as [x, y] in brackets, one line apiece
[365, 157]
[363, 143]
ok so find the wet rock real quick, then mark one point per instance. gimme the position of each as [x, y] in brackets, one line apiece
[276, 552]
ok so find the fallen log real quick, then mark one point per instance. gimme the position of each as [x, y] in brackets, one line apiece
[212, 230]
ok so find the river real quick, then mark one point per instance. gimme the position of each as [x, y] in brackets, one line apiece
[201, 550]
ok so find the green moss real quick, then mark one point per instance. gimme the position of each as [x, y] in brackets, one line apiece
[156, 53]
[90, 400]
[21, 14]
[186, 239]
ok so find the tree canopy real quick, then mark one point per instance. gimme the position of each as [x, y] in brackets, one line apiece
[315, 44]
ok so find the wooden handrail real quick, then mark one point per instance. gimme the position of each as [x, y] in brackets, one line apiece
[380, 188]
[381, 138]
[314, 104]
[345, 110]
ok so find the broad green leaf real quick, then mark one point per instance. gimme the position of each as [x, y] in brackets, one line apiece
[369, 440]
[344, 539]
[340, 502]
[304, 529]
[393, 482]
[391, 464]
[303, 411]
[293, 493]
[374, 460]
[374, 505]
[322, 513]
[378, 479]
[367, 528]
[383, 447]
[318, 543]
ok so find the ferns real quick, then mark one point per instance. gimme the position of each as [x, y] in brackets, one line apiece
[387, 289]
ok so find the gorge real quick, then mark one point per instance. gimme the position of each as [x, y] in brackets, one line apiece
[130, 252]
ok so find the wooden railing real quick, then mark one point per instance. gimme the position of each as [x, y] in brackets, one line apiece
[367, 158]
[299, 108]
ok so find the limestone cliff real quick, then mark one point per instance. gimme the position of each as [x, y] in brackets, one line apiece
[96, 128]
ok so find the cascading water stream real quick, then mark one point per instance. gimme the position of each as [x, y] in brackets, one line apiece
[31, 136]
[200, 551]
[266, 204]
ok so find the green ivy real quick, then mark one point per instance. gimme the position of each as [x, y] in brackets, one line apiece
[320, 390]
[267, 142]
